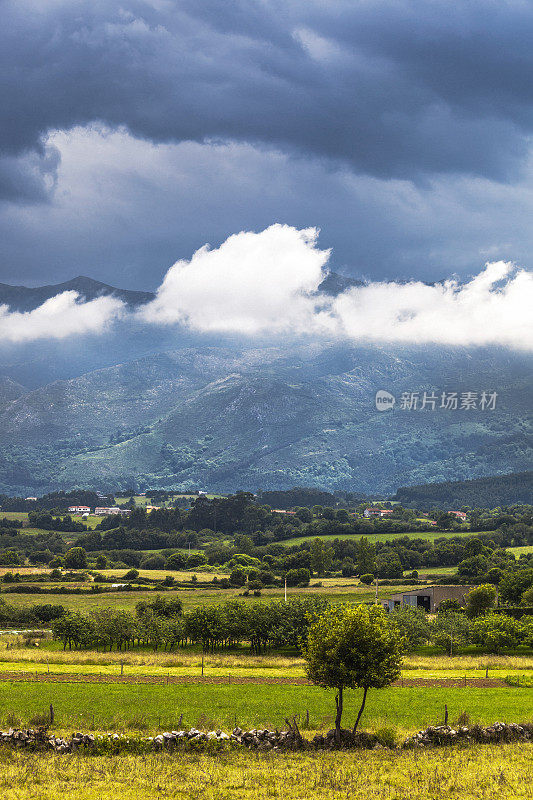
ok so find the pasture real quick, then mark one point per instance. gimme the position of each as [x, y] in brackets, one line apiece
[383, 537]
[16, 516]
[479, 773]
[50, 657]
[139, 706]
[338, 590]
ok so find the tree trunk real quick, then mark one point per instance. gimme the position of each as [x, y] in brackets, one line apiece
[360, 710]
[338, 717]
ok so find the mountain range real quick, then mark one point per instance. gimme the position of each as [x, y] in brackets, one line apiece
[168, 409]
[27, 298]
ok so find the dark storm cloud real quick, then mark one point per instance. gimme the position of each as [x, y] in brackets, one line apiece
[392, 89]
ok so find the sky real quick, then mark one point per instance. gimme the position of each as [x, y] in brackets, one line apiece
[133, 133]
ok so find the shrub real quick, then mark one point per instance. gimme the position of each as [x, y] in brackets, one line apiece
[449, 605]
[480, 600]
[131, 574]
[298, 576]
[367, 579]
[496, 631]
[237, 577]
[176, 561]
[153, 562]
[196, 560]
[348, 568]
[75, 558]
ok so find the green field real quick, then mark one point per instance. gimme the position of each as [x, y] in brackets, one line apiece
[479, 773]
[518, 551]
[18, 516]
[237, 664]
[336, 592]
[430, 572]
[382, 537]
[142, 706]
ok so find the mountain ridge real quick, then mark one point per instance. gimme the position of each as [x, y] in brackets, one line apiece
[27, 298]
[230, 418]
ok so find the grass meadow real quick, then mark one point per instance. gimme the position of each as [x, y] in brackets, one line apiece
[16, 516]
[335, 589]
[177, 665]
[479, 773]
[383, 537]
[130, 707]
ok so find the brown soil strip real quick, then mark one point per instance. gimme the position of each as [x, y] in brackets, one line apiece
[95, 677]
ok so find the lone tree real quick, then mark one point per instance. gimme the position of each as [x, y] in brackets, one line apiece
[353, 647]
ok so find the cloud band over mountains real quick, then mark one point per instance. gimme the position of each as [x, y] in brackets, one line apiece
[60, 317]
[267, 283]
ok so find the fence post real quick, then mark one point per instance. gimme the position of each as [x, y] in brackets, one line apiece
[51, 714]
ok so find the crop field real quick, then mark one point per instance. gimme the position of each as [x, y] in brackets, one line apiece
[479, 773]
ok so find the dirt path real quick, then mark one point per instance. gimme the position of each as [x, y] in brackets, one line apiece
[78, 677]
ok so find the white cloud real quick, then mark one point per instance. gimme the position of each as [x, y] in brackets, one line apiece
[59, 317]
[494, 307]
[266, 282]
[252, 283]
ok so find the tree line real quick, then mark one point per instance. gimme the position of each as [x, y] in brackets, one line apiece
[160, 624]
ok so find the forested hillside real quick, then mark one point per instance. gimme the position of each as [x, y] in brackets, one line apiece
[499, 490]
[226, 418]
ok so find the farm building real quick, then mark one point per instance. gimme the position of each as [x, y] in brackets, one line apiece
[377, 512]
[79, 509]
[429, 598]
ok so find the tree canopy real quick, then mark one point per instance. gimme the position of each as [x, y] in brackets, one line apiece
[353, 647]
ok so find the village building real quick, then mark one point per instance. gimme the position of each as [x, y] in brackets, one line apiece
[377, 512]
